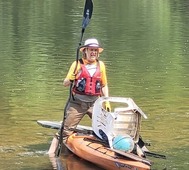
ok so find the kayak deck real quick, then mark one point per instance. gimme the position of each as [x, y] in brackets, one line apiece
[88, 148]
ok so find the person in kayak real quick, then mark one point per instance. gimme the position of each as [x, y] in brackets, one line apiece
[90, 82]
[89, 78]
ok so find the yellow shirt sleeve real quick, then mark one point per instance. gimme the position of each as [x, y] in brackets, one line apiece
[103, 74]
[72, 69]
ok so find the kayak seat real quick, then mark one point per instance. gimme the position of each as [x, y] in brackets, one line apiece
[127, 122]
[124, 118]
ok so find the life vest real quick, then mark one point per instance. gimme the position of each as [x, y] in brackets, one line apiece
[86, 84]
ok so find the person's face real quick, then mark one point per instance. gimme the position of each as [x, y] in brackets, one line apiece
[92, 54]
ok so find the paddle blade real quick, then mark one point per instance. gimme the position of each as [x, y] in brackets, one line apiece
[87, 14]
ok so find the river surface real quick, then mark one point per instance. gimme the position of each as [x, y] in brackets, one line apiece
[146, 52]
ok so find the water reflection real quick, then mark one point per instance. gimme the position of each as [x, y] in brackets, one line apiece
[70, 161]
[75, 163]
[146, 52]
[56, 162]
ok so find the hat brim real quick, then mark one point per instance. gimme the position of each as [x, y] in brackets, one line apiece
[87, 46]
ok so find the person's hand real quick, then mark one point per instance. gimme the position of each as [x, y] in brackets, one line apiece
[72, 77]
[107, 106]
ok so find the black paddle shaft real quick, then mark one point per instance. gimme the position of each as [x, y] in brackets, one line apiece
[87, 14]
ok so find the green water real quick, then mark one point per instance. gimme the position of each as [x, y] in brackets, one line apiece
[146, 49]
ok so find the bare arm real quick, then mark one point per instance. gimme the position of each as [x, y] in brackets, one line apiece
[105, 91]
[106, 94]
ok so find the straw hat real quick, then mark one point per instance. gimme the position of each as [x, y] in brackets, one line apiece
[92, 42]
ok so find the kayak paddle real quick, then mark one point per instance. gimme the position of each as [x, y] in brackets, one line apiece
[87, 14]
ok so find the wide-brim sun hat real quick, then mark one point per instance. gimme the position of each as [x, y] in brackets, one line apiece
[92, 42]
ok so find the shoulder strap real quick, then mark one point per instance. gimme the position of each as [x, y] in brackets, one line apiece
[81, 61]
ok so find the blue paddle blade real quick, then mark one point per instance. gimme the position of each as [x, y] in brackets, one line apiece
[87, 14]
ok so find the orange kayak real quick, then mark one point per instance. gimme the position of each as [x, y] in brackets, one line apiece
[89, 148]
